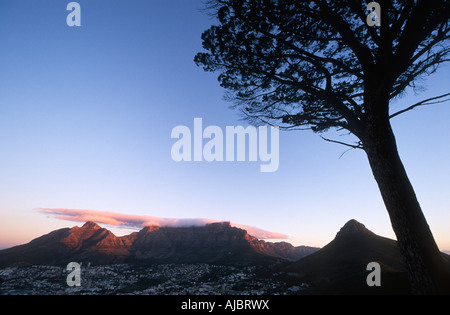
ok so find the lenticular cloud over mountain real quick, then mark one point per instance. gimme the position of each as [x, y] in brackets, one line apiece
[140, 221]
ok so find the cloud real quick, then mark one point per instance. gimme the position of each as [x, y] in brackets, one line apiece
[140, 221]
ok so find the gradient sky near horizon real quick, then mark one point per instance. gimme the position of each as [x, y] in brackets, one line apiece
[86, 115]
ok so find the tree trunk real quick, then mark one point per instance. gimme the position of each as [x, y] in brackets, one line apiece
[426, 268]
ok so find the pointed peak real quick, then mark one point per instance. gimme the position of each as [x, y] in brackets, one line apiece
[91, 225]
[353, 227]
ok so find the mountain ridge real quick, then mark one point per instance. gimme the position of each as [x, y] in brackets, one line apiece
[340, 267]
[212, 243]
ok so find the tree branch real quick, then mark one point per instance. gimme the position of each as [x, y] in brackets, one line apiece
[422, 103]
[353, 146]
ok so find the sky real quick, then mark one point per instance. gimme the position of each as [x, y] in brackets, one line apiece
[86, 115]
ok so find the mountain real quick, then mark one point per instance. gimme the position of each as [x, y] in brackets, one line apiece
[88, 243]
[340, 266]
[213, 243]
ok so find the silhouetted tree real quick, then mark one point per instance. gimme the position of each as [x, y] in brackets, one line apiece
[319, 65]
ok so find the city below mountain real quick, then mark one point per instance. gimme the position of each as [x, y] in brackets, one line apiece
[217, 243]
[340, 267]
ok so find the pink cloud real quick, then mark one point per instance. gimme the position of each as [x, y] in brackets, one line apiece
[140, 221]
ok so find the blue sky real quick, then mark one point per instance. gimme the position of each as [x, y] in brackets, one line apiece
[86, 116]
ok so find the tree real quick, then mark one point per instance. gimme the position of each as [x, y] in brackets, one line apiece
[319, 65]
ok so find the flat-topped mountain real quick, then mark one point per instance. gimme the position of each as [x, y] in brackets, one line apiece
[214, 243]
[339, 267]
[218, 243]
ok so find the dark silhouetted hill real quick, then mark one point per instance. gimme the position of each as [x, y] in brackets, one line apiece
[340, 266]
